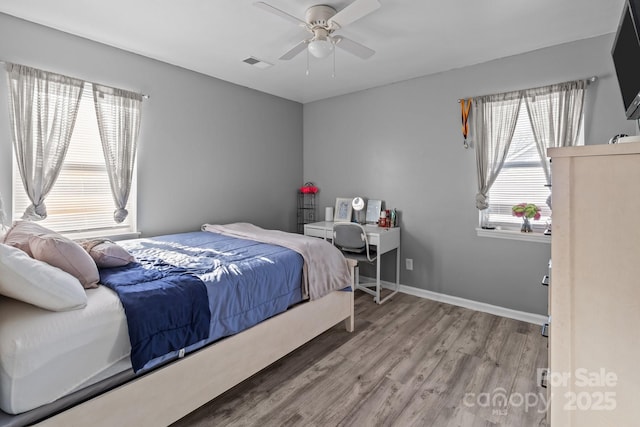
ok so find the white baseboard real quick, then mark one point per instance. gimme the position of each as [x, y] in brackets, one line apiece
[536, 319]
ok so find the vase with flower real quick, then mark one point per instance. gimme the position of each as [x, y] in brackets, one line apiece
[526, 211]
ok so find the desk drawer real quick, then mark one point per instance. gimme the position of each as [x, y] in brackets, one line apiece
[317, 232]
[385, 239]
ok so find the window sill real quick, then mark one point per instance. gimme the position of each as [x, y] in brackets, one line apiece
[535, 237]
[113, 235]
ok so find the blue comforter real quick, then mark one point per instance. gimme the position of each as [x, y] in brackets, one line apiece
[244, 283]
[166, 307]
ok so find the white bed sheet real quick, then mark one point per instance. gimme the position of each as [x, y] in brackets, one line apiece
[45, 355]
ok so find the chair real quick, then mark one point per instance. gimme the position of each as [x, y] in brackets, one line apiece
[351, 239]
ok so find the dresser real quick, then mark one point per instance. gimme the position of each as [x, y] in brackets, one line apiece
[594, 337]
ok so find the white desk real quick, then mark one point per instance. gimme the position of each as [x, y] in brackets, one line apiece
[384, 239]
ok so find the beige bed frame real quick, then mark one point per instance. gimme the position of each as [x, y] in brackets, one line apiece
[165, 395]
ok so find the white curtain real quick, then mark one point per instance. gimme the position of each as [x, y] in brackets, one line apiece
[3, 217]
[556, 113]
[43, 108]
[118, 114]
[494, 120]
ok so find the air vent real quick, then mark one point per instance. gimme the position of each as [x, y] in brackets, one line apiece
[257, 62]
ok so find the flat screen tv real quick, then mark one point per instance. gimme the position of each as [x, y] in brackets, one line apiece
[626, 57]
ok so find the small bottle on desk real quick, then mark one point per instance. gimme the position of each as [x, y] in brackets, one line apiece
[382, 222]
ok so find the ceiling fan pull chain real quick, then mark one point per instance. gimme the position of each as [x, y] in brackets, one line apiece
[333, 74]
[307, 61]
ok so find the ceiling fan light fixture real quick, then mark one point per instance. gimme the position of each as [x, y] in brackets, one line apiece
[320, 47]
[322, 21]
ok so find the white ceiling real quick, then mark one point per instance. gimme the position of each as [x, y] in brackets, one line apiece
[411, 37]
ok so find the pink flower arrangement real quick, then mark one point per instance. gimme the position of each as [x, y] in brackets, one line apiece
[309, 188]
[527, 210]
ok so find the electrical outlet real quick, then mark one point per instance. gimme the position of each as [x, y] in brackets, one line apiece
[409, 262]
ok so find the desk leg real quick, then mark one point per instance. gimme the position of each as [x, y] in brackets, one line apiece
[397, 267]
[377, 297]
[395, 291]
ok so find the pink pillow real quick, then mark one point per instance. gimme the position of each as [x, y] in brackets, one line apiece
[19, 234]
[106, 253]
[67, 255]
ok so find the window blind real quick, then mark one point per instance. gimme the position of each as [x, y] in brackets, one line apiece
[80, 201]
[521, 180]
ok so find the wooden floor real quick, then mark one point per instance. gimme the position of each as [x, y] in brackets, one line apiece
[410, 362]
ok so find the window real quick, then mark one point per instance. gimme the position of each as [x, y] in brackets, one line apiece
[80, 203]
[522, 179]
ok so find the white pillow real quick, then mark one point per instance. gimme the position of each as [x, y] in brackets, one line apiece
[36, 282]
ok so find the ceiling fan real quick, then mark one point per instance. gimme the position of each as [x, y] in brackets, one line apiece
[322, 21]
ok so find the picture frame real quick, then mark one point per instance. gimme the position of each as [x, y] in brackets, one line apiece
[373, 211]
[343, 210]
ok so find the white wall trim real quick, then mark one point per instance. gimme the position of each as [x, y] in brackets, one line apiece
[523, 316]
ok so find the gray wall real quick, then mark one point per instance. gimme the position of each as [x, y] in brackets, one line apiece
[210, 151]
[402, 143]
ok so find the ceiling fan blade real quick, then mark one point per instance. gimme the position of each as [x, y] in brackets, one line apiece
[264, 6]
[353, 48]
[353, 12]
[295, 50]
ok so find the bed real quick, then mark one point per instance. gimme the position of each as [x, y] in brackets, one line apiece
[83, 360]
